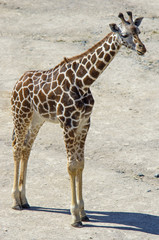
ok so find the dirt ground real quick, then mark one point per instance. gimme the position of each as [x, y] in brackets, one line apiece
[121, 191]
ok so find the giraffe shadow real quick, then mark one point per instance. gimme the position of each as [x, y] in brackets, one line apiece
[50, 210]
[129, 221]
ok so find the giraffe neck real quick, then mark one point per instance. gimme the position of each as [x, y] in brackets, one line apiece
[93, 62]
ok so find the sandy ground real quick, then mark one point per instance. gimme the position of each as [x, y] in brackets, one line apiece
[123, 141]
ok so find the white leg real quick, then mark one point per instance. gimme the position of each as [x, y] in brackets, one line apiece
[76, 222]
[80, 201]
[22, 179]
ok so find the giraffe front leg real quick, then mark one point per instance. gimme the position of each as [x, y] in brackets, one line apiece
[80, 157]
[80, 201]
[75, 141]
[72, 167]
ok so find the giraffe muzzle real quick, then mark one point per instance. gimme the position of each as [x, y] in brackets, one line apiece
[141, 49]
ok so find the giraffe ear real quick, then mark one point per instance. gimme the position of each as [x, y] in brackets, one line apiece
[138, 21]
[114, 27]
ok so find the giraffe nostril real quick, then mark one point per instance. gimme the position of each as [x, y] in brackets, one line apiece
[140, 45]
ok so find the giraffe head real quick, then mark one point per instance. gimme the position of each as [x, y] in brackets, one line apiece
[128, 33]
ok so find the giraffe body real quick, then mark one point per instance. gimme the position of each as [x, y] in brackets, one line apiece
[61, 94]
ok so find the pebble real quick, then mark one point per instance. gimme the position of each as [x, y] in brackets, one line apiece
[120, 171]
[156, 175]
[149, 190]
[141, 175]
[84, 42]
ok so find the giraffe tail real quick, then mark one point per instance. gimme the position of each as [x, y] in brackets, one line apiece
[13, 138]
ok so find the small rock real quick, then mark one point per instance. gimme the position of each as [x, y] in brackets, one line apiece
[120, 171]
[84, 42]
[156, 175]
[141, 175]
[149, 190]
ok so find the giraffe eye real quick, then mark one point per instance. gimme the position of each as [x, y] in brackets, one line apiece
[125, 35]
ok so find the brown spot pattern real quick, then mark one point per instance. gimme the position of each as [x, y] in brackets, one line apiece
[79, 82]
[106, 46]
[88, 65]
[44, 77]
[76, 115]
[58, 91]
[21, 95]
[66, 100]
[88, 81]
[112, 53]
[25, 92]
[84, 61]
[42, 96]
[100, 65]
[74, 93]
[60, 109]
[68, 111]
[46, 88]
[75, 66]
[110, 40]
[99, 50]
[94, 73]
[36, 100]
[52, 106]
[81, 71]
[63, 68]
[113, 46]
[54, 84]
[38, 74]
[101, 55]
[107, 57]
[66, 85]
[93, 58]
[46, 106]
[41, 108]
[60, 78]
[70, 74]
[51, 96]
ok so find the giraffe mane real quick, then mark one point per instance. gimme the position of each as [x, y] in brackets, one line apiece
[80, 56]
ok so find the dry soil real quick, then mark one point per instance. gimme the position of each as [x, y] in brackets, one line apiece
[121, 191]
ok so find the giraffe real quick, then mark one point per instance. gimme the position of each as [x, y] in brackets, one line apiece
[62, 94]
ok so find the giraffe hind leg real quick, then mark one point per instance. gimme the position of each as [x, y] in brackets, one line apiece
[30, 137]
[19, 133]
[23, 139]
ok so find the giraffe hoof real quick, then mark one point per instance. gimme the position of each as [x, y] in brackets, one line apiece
[77, 224]
[85, 219]
[17, 207]
[25, 206]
